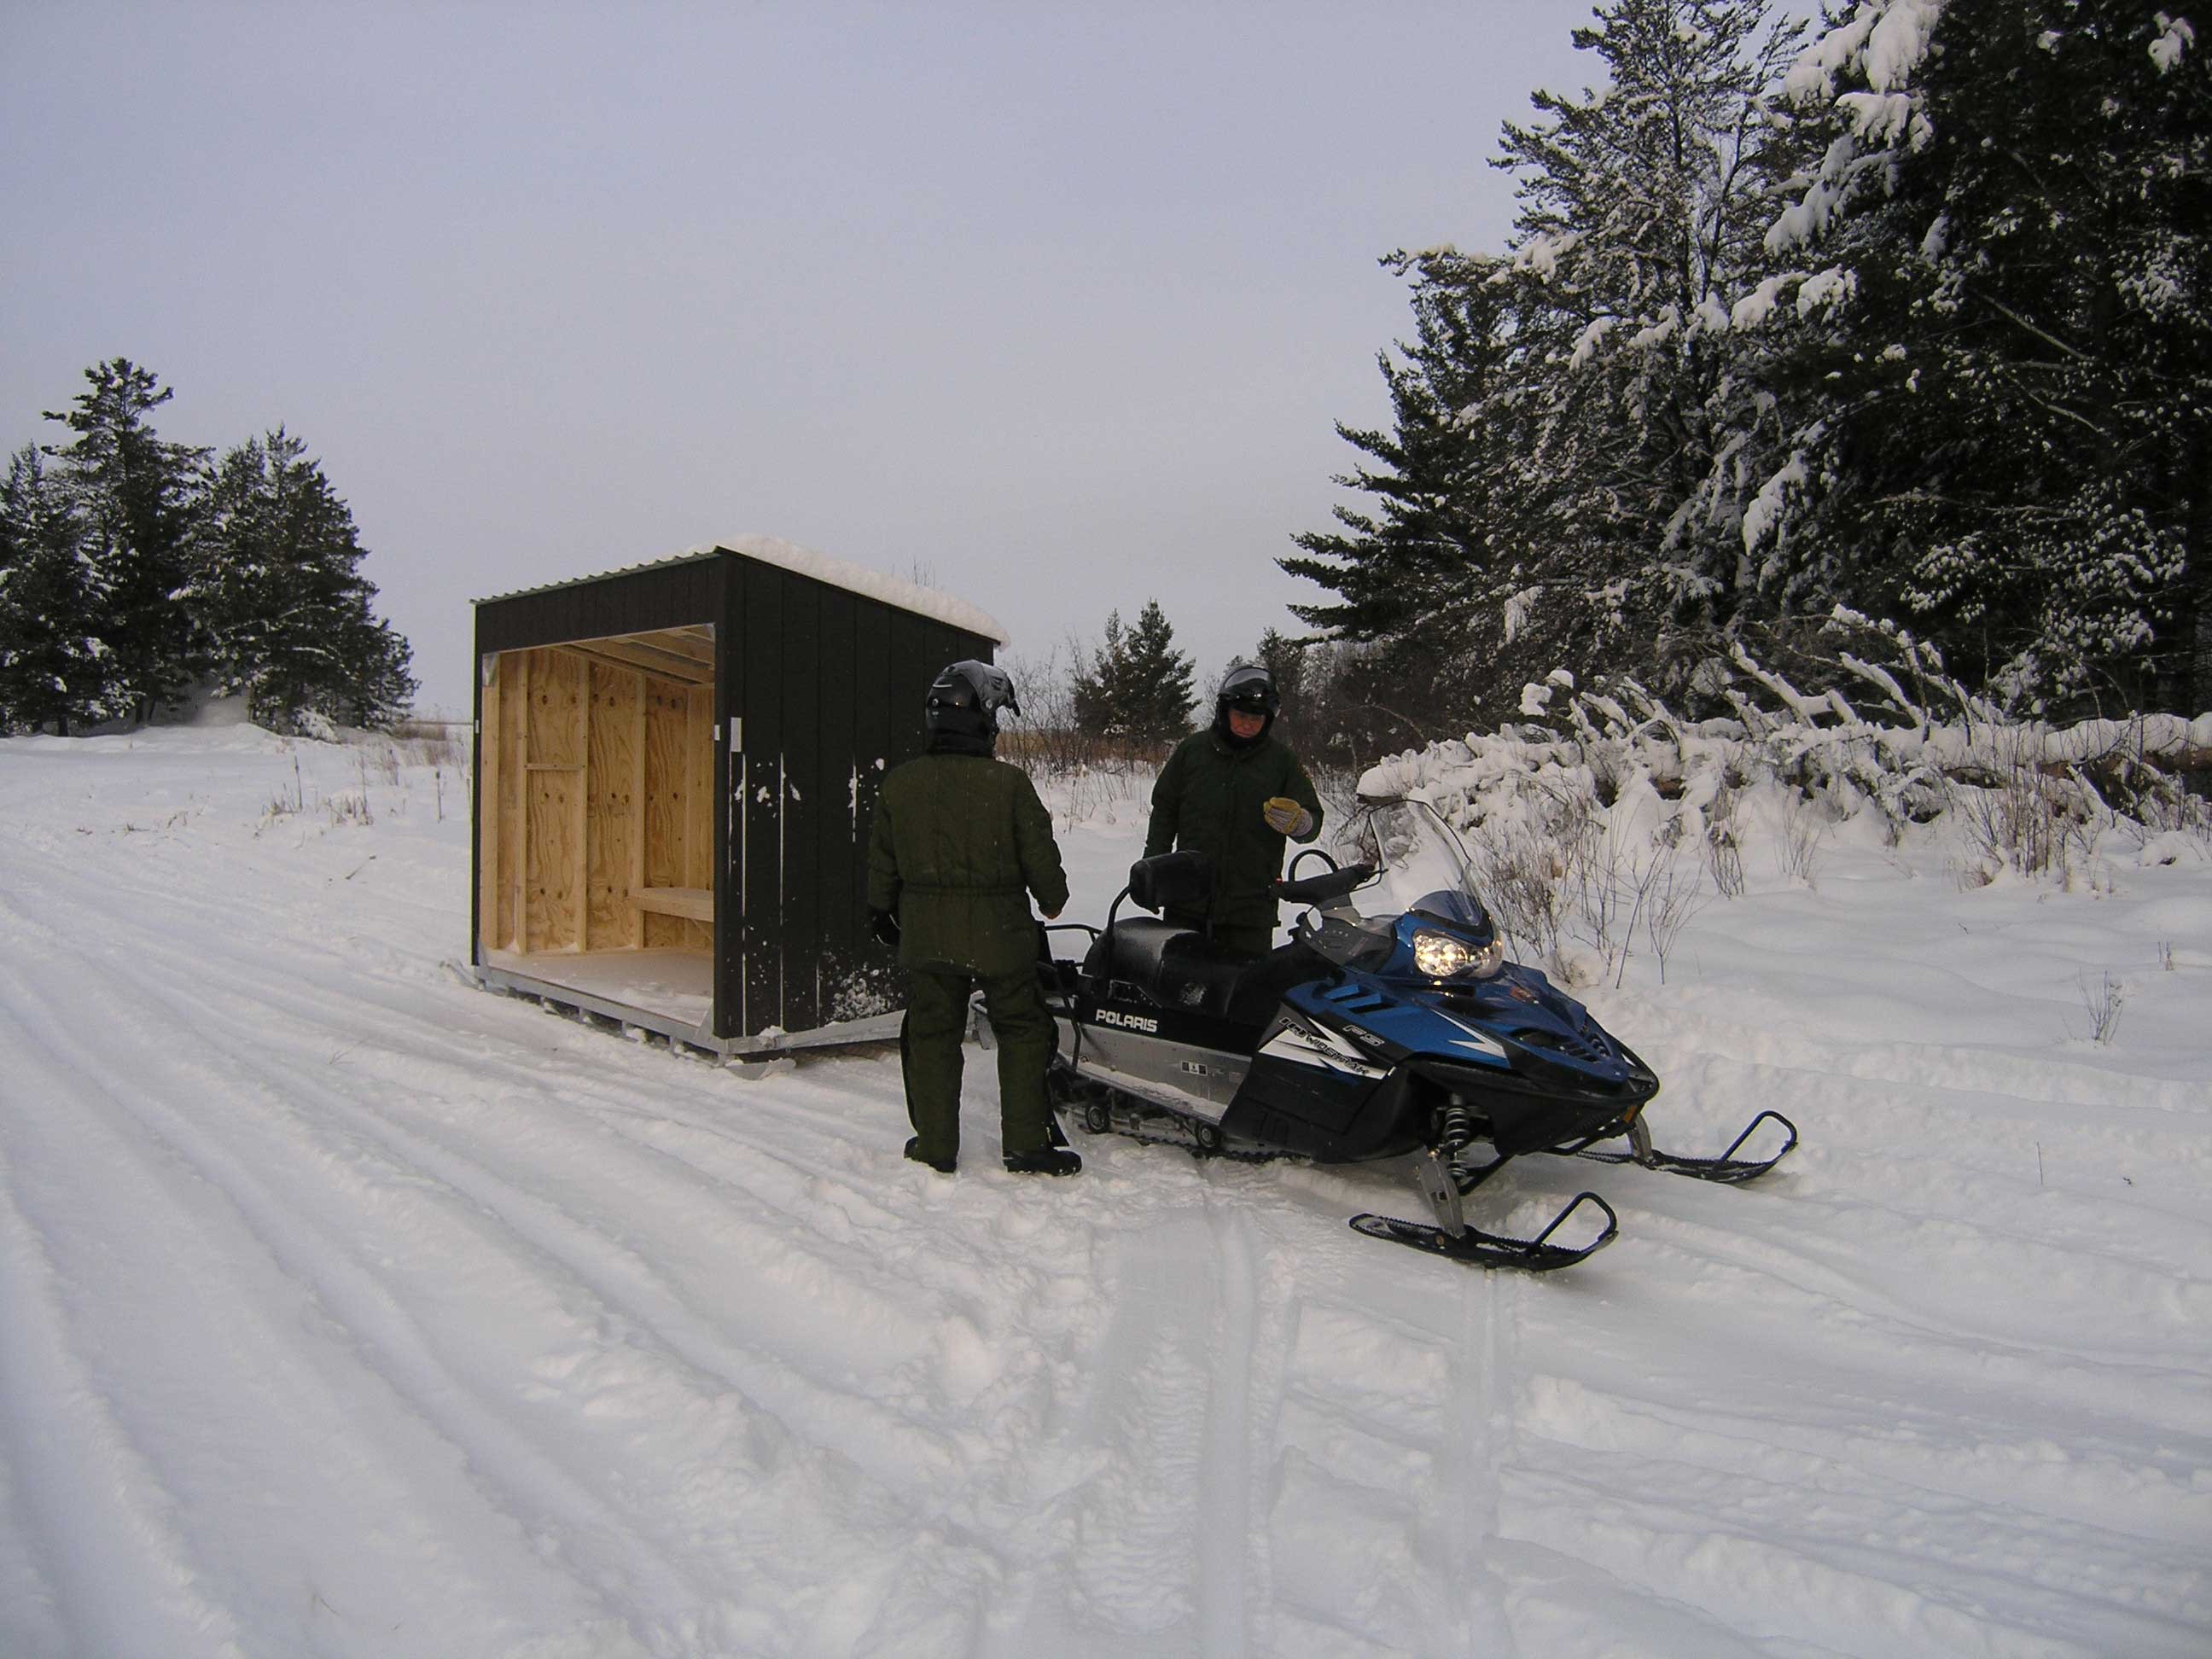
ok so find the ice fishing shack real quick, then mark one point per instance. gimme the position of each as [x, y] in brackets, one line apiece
[677, 765]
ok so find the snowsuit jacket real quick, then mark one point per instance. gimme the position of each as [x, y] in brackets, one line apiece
[1209, 800]
[959, 845]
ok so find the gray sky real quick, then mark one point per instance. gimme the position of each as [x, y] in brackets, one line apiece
[1055, 306]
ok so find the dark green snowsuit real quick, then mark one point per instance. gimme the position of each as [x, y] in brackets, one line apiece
[1210, 799]
[960, 843]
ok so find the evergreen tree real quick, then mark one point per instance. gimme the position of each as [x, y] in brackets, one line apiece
[1568, 471]
[131, 494]
[277, 590]
[377, 690]
[1643, 203]
[1284, 660]
[2005, 423]
[1137, 687]
[54, 667]
[1439, 557]
[1096, 686]
[1394, 564]
[1289, 664]
[1158, 680]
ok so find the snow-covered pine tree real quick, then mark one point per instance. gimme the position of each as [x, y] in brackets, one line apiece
[277, 588]
[1643, 203]
[374, 689]
[2005, 416]
[53, 666]
[131, 494]
[1574, 447]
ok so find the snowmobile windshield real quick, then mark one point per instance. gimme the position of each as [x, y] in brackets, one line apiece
[1420, 868]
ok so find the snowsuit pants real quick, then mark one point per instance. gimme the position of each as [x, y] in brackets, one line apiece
[929, 1055]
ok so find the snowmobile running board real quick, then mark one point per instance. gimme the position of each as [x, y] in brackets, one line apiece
[1112, 1102]
[1727, 1167]
[1538, 1254]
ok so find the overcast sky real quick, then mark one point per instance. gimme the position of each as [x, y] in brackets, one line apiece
[1054, 305]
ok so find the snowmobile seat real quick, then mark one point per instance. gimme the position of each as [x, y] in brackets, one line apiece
[1177, 967]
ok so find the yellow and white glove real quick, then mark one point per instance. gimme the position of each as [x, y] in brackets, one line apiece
[1286, 818]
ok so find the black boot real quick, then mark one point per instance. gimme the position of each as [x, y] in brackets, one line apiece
[1046, 1160]
[913, 1152]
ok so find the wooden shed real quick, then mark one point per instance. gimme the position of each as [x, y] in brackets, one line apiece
[677, 766]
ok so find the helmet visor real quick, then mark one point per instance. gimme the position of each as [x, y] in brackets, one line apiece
[1251, 690]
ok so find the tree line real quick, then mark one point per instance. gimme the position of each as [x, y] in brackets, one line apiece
[1131, 696]
[134, 570]
[1906, 314]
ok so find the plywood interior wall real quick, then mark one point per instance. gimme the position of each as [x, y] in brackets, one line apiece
[597, 829]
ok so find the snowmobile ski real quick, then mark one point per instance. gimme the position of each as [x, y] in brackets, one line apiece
[1480, 1250]
[1726, 1168]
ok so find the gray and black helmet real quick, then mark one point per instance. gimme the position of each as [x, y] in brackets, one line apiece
[965, 698]
[1247, 686]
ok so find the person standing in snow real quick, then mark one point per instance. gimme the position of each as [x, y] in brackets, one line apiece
[1234, 794]
[959, 844]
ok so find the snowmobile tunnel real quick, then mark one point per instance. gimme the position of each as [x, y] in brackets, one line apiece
[676, 768]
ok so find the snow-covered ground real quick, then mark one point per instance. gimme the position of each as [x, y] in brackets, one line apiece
[347, 1309]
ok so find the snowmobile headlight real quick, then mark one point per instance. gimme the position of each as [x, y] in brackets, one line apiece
[1439, 956]
[1442, 956]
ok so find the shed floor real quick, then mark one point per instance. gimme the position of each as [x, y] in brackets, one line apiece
[675, 984]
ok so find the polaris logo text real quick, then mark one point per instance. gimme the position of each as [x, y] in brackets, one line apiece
[1129, 1022]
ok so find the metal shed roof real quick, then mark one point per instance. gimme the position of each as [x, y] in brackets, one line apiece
[804, 561]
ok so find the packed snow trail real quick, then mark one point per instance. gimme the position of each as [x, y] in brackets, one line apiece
[346, 1310]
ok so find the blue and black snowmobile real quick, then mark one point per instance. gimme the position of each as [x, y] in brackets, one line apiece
[1392, 1026]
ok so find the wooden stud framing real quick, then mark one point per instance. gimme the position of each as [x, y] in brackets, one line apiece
[554, 826]
[669, 665]
[596, 832]
[636, 780]
[491, 752]
[514, 796]
[613, 831]
[580, 877]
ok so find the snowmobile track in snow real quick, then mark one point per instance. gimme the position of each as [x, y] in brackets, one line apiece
[345, 1309]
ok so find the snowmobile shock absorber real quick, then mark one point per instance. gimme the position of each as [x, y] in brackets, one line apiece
[1457, 1128]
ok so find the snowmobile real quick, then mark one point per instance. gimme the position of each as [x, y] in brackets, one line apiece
[1392, 1025]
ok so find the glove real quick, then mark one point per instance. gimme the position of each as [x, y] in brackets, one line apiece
[1286, 818]
[884, 926]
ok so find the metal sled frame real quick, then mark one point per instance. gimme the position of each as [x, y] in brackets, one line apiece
[876, 1028]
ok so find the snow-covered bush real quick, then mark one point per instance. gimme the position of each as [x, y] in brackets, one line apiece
[1607, 818]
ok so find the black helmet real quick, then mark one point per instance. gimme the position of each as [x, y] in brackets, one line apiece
[965, 698]
[1249, 688]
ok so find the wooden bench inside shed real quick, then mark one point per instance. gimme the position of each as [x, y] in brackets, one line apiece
[695, 902]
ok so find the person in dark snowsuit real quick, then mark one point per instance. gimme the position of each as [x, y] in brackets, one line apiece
[960, 843]
[1234, 794]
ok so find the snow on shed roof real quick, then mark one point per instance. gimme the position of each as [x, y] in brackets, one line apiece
[805, 561]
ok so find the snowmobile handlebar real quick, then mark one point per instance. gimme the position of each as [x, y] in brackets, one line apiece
[1326, 888]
